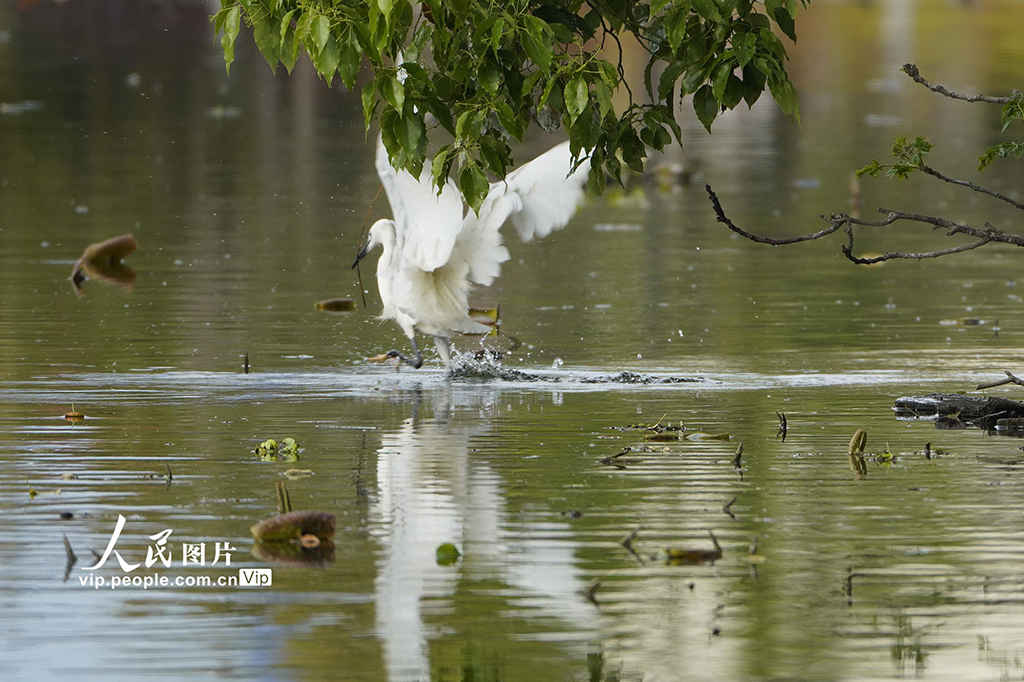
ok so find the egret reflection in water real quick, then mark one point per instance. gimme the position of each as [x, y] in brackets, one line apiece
[433, 489]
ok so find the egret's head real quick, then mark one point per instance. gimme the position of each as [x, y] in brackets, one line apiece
[382, 233]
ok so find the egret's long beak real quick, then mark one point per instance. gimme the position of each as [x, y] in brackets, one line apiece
[362, 254]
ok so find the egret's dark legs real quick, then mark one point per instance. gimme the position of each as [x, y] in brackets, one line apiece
[417, 362]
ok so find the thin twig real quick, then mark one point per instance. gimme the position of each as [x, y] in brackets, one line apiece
[622, 71]
[912, 256]
[964, 183]
[1010, 379]
[362, 237]
[912, 71]
[722, 218]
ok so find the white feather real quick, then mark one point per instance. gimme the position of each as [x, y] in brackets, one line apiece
[434, 253]
[426, 222]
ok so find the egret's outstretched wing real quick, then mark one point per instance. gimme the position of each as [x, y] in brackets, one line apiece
[482, 248]
[427, 224]
[538, 197]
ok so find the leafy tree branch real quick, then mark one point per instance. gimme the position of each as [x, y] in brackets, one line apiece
[486, 71]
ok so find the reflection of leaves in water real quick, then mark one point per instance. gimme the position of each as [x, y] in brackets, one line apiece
[907, 647]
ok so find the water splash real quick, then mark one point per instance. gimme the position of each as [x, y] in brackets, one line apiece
[487, 366]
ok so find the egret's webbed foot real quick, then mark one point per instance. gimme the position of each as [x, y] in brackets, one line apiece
[415, 363]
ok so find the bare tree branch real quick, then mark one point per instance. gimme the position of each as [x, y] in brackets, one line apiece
[848, 223]
[838, 220]
[1010, 379]
[964, 183]
[847, 251]
[912, 71]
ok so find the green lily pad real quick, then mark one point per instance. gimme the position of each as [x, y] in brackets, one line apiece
[447, 554]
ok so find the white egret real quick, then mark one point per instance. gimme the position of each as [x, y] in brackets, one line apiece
[435, 250]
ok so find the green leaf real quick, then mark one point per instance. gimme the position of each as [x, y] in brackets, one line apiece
[785, 95]
[490, 77]
[753, 84]
[656, 5]
[603, 95]
[348, 66]
[289, 42]
[576, 97]
[721, 80]
[1003, 150]
[743, 46]
[497, 31]
[267, 35]
[871, 170]
[447, 554]
[441, 165]
[785, 21]
[708, 10]
[693, 79]
[231, 24]
[474, 185]
[319, 31]
[537, 41]
[495, 155]
[669, 77]
[508, 119]
[468, 125]
[706, 106]
[412, 137]
[552, 86]
[733, 92]
[675, 27]
[609, 73]
[394, 93]
[327, 61]
[369, 98]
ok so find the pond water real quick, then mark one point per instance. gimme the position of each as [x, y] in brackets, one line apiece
[247, 194]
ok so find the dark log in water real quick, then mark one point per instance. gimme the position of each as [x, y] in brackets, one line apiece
[969, 409]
